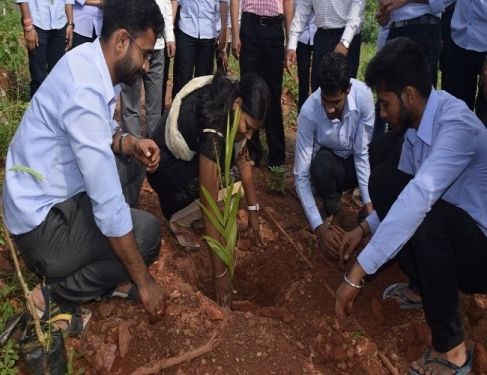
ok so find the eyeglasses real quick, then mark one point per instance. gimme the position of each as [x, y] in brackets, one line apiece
[145, 53]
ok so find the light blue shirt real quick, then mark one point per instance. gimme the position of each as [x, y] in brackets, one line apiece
[87, 17]
[469, 25]
[198, 18]
[447, 156]
[47, 14]
[413, 10]
[66, 136]
[350, 135]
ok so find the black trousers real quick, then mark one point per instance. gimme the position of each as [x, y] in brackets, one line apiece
[79, 39]
[304, 54]
[51, 45]
[331, 175]
[446, 41]
[428, 37]
[462, 77]
[76, 259]
[194, 58]
[447, 253]
[262, 53]
[325, 41]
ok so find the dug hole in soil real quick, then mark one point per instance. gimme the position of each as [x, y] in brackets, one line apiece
[282, 319]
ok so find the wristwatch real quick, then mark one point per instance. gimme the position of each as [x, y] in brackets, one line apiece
[346, 43]
[255, 207]
[70, 23]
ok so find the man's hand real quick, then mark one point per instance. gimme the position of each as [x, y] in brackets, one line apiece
[350, 242]
[224, 290]
[31, 39]
[390, 5]
[171, 49]
[340, 48]
[328, 241]
[236, 46]
[153, 299]
[69, 37]
[346, 294]
[253, 227]
[382, 17]
[290, 59]
[147, 152]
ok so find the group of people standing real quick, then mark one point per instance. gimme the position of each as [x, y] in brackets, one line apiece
[423, 183]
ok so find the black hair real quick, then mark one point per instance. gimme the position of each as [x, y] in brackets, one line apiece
[398, 64]
[334, 73]
[135, 16]
[222, 93]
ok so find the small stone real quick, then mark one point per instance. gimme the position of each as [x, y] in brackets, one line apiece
[300, 345]
[203, 361]
[175, 294]
[248, 315]
[124, 338]
[328, 348]
[350, 352]
[259, 354]
[342, 366]
[319, 338]
[214, 312]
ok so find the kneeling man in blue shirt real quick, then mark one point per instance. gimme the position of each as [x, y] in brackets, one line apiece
[71, 223]
[440, 209]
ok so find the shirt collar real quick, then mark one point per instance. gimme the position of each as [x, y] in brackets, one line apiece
[110, 90]
[425, 129]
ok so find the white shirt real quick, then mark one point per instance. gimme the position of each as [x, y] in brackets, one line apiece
[329, 14]
[166, 10]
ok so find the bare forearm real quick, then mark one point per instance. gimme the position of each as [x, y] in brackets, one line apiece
[68, 9]
[126, 249]
[245, 168]
[234, 11]
[96, 3]
[24, 10]
[175, 5]
[288, 8]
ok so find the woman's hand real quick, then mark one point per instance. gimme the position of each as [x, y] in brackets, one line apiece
[253, 228]
[224, 289]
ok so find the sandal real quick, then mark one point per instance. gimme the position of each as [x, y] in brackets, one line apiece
[398, 292]
[185, 236]
[459, 370]
[131, 295]
[76, 321]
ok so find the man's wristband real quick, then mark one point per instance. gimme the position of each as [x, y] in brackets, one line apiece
[121, 140]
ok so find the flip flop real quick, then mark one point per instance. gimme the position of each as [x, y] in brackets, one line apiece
[131, 295]
[76, 321]
[459, 370]
[397, 291]
[181, 234]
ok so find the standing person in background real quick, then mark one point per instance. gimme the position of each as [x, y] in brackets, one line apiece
[48, 33]
[418, 20]
[258, 42]
[88, 17]
[468, 52]
[195, 36]
[446, 41]
[304, 53]
[154, 101]
[338, 23]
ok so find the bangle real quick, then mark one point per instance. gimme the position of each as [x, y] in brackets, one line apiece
[222, 274]
[356, 286]
[255, 207]
[364, 230]
[120, 142]
[28, 28]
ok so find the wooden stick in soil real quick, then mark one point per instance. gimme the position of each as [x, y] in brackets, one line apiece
[27, 294]
[211, 344]
[392, 369]
[270, 215]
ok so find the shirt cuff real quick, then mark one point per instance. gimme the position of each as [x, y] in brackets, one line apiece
[69, 2]
[364, 192]
[436, 6]
[292, 43]
[169, 34]
[348, 34]
[366, 260]
[373, 220]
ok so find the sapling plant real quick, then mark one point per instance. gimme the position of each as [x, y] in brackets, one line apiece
[277, 179]
[224, 219]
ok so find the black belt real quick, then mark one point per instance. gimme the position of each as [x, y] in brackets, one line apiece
[426, 19]
[263, 20]
[331, 31]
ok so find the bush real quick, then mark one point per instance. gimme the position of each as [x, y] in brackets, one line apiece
[370, 28]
